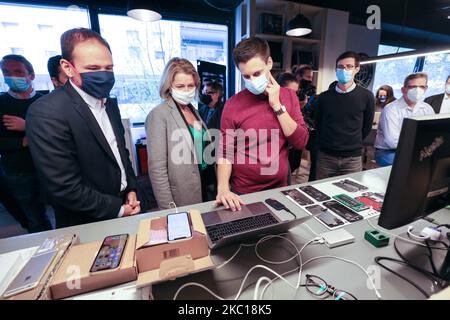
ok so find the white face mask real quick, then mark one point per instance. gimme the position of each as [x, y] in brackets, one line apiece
[415, 95]
[183, 97]
[447, 89]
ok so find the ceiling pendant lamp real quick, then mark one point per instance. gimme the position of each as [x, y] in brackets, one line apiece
[143, 10]
[299, 26]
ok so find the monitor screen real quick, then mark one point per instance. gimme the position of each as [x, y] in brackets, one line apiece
[420, 177]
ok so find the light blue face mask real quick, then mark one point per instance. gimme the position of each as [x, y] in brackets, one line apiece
[17, 84]
[257, 85]
[447, 89]
[344, 76]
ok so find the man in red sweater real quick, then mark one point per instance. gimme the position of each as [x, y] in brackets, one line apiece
[258, 125]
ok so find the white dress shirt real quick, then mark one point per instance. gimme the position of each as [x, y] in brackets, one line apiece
[391, 121]
[445, 106]
[98, 109]
[351, 88]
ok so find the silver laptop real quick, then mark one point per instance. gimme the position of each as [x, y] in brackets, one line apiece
[253, 221]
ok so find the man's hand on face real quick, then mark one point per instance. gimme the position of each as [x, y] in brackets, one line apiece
[273, 91]
[14, 123]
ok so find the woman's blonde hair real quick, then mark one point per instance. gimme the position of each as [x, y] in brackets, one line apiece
[174, 66]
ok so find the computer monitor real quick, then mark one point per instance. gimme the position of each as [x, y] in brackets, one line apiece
[420, 179]
[420, 176]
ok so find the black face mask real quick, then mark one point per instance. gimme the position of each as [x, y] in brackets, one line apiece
[205, 98]
[305, 83]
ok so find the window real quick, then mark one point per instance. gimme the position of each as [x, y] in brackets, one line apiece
[25, 30]
[133, 37]
[17, 51]
[392, 72]
[384, 49]
[437, 66]
[159, 55]
[45, 27]
[138, 75]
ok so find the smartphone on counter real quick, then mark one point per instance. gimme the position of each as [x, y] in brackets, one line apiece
[28, 278]
[178, 226]
[110, 254]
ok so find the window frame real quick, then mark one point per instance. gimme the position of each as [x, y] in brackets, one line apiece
[95, 10]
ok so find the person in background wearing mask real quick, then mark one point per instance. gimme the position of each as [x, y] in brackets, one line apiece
[176, 140]
[57, 75]
[288, 80]
[19, 184]
[343, 116]
[391, 120]
[211, 106]
[246, 146]
[77, 138]
[441, 102]
[384, 96]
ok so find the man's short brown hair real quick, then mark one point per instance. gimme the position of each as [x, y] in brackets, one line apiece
[250, 48]
[415, 76]
[72, 37]
[18, 58]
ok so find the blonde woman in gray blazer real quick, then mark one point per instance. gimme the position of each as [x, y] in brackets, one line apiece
[176, 138]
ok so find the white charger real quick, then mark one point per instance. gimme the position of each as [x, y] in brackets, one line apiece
[427, 233]
[337, 238]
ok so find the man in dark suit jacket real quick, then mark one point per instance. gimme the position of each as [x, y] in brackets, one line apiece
[437, 101]
[76, 138]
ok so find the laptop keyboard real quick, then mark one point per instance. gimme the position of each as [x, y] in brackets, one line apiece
[218, 231]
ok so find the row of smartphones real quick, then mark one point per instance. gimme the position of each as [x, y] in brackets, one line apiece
[108, 257]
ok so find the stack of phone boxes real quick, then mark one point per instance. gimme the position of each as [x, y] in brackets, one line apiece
[153, 255]
[148, 257]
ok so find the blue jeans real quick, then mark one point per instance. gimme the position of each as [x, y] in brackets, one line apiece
[384, 157]
[24, 191]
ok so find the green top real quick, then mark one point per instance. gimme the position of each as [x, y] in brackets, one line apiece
[199, 144]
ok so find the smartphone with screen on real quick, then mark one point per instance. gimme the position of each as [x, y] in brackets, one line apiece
[110, 254]
[178, 226]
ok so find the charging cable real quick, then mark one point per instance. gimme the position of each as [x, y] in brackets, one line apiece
[277, 275]
[412, 235]
[173, 205]
[251, 270]
[396, 235]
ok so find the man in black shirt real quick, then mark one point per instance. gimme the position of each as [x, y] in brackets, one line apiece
[18, 179]
[211, 105]
[344, 118]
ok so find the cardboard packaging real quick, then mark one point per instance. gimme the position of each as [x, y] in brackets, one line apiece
[74, 277]
[159, 260]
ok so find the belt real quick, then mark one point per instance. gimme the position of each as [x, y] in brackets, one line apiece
[386, 150]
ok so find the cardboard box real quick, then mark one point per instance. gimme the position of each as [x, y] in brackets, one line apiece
[74, 275]
[159, 260]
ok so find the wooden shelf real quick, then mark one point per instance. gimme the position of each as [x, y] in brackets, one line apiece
[270, 37]
[295, 40]
[304, 41]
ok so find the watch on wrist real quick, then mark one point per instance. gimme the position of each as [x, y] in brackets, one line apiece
[280, 111]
